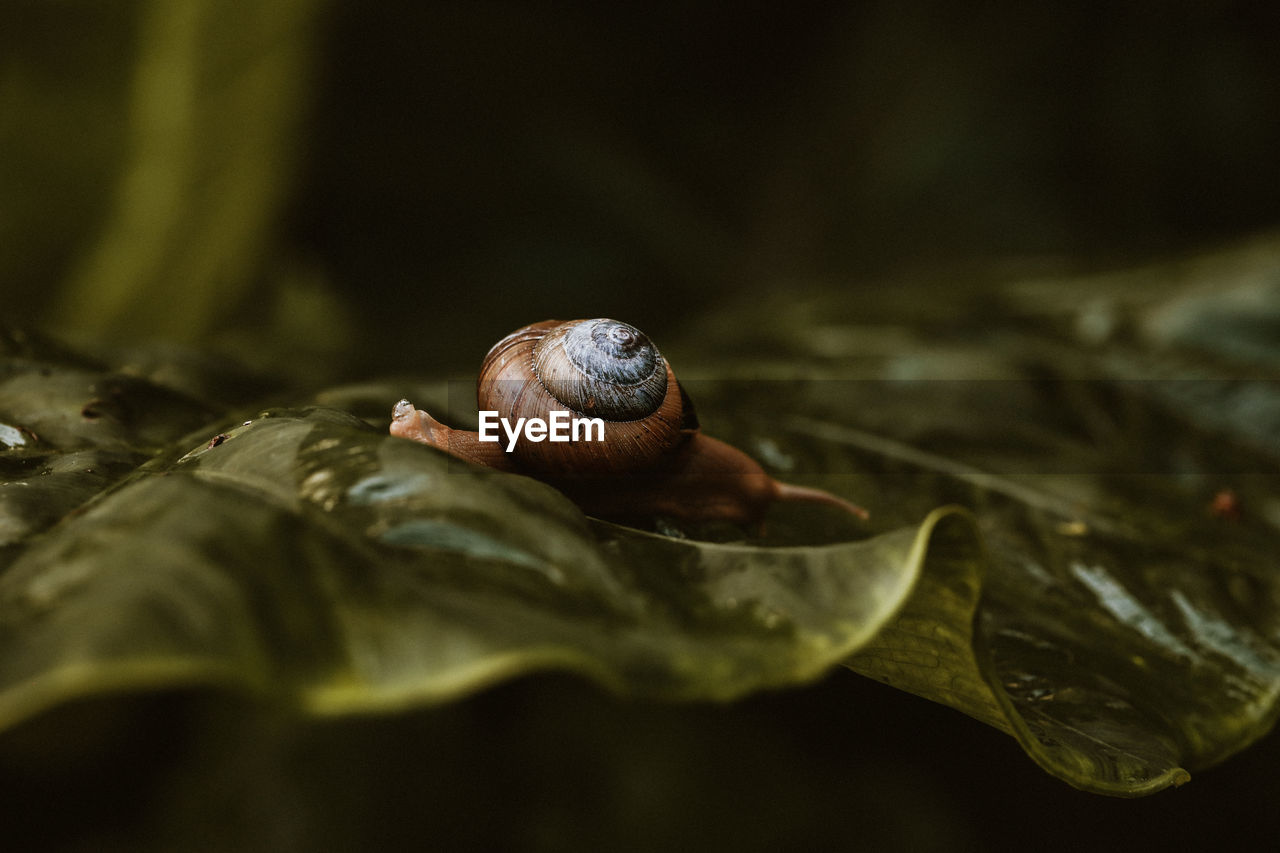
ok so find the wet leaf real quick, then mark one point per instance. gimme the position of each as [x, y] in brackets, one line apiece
[306, 556]
[1106, 598]
[70, 426]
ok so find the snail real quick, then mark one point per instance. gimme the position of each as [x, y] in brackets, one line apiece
[648, 456]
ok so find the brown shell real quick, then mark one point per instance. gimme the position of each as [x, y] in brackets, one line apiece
[509, 383]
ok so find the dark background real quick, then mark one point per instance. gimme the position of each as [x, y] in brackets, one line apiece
[658, 160]
[399, 184]
[433, 175]
[551, 763]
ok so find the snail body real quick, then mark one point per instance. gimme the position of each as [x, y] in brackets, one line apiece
[653, 460]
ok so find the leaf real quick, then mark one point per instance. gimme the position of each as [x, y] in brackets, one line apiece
[1126, 498]
[308, 557]
[1118, 628]
[215, 101]
[70, 426]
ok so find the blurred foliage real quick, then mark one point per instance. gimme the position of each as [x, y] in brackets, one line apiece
[317, 183]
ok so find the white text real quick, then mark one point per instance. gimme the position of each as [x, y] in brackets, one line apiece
[562, 426]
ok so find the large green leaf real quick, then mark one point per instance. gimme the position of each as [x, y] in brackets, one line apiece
[306, 556]
[1105, 599]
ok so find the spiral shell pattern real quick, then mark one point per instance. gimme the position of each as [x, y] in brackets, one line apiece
[593, 368]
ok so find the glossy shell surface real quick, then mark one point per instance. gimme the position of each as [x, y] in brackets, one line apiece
[602, 368]
[590, 368]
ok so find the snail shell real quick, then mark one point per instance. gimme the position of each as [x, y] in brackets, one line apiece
[589, 368]
[653, 459]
